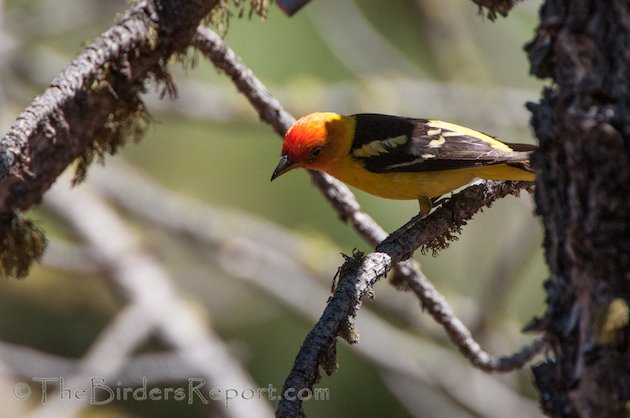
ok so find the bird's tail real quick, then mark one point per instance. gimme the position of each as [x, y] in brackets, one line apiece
[520, 158]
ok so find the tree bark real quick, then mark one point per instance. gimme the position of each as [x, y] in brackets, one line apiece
[583, 196]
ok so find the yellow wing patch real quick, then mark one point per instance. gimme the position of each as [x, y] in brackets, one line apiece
[379, 146]
[456, 130]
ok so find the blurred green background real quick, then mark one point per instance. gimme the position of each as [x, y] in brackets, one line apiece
[424, 58]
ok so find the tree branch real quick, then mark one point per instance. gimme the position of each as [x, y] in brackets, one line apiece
[224, 58]
[90, 108]
[72, 110]
[359, 276]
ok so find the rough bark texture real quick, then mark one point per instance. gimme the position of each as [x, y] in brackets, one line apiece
[583, 196]
[61, 123]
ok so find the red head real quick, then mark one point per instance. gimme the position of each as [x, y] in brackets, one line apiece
[309, 143]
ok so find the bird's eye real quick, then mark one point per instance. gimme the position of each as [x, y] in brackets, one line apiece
[315, 152]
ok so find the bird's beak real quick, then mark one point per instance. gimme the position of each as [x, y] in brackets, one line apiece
[283, 166]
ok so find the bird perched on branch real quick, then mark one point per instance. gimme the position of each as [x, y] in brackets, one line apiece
[400, 158]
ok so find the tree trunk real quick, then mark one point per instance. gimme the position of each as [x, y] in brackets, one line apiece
[583, 196]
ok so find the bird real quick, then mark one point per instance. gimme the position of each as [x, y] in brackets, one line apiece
[399, 157]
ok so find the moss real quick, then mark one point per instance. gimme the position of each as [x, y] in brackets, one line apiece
[127, 123]
[23, 243]
[221, 15]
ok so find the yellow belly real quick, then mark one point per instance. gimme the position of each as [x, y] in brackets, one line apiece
[411, 186]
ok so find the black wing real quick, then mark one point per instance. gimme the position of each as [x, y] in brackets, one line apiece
[394, 144]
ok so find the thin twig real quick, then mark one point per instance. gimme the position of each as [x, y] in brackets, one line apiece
[362, 275]
[440, 310]
[389, 348]
[431, 300]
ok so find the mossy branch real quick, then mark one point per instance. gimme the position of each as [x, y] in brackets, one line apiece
[91, 108]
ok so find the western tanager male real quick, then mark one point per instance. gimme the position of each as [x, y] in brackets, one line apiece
[398, 157]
